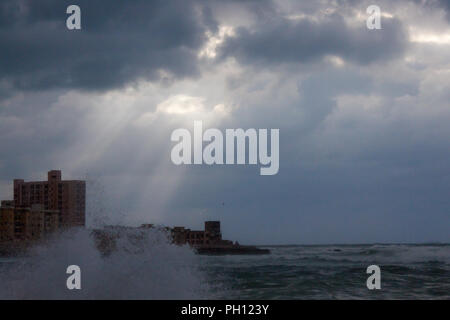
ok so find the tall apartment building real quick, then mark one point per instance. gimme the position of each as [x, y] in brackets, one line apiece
[66, 196]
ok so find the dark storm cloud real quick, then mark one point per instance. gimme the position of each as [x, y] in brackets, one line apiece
[363, 145]
[302, 41]
[112, 49]
[120, 41]
[445, 4]
[435, 4]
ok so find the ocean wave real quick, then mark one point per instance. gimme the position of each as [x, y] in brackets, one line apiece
[150, 269]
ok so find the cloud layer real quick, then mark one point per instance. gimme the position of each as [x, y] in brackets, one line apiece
[119, 43]
[363, 114]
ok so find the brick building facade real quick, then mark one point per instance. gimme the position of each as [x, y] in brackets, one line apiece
[66, 196]
[24, 224]
[210, 236]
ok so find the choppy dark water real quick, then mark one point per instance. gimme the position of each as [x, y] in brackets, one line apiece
[334, 272]
[159, 270]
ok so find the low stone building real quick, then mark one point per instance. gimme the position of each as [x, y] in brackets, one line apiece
[25, 224]
[211, 236]
[6, 224]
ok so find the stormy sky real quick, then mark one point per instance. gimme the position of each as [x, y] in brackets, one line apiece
[363, 114]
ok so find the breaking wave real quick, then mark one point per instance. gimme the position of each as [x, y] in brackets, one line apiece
[150, 268]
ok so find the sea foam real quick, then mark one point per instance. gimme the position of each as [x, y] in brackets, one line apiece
[150, 268]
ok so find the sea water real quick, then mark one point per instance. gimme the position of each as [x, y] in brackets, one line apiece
[156, 269]
[335, 272]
